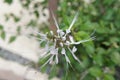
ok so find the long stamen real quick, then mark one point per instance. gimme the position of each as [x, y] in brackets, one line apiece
[55, 21]
[82, 41]
[47, 62]
[74, 55]
[73, 21]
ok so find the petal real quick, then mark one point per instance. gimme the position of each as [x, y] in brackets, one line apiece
[61, 44]
[68, 31]
[64, 38]
[63, 51]
[71, 39]
[56, 58]
[67, 43]
[51, 32]
[54, 51]
[74, 49]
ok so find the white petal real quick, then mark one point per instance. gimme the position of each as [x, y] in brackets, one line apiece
[68, 31]
[61, 44]
[67, 43]
[61, 33]
[64, 38]
[71, 39]
[51, 32]
[56, 58]
[53, 51]
[74, 49]
[63, 51]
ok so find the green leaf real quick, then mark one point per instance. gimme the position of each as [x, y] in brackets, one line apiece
[80, 35]
[53, 72]
[36, 14]
[95, 71]
[98, 59]
[3, 35]
[108, 77]
[115, 57]
[12, 38]
[8, 1]
[1, 27]
[16, 19]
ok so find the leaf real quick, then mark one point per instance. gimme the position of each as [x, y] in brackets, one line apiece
[80, 35]
[108, 77]
[98, 59]
[115, 57]
[12, 38]
[16, 19]
[8, 1]
[53, 72]
[1, 27]
[95, 71]
[36, 14]
[3, 35]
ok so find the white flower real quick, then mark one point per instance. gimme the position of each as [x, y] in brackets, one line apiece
[62, 41]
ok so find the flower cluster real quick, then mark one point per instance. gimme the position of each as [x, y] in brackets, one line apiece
[57, 44]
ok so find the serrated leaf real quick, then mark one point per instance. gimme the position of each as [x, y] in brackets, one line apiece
[12, 38]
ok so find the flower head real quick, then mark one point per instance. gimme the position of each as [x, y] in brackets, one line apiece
[57, 44]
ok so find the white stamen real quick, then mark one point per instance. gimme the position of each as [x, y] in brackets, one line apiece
[55, 21]
[74, 55]
[73, 21]
[67, 59]
[47, 61]
[82, 41]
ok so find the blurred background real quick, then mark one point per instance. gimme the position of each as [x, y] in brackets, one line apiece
[20, 51]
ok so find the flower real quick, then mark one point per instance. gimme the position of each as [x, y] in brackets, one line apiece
[57, 44]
